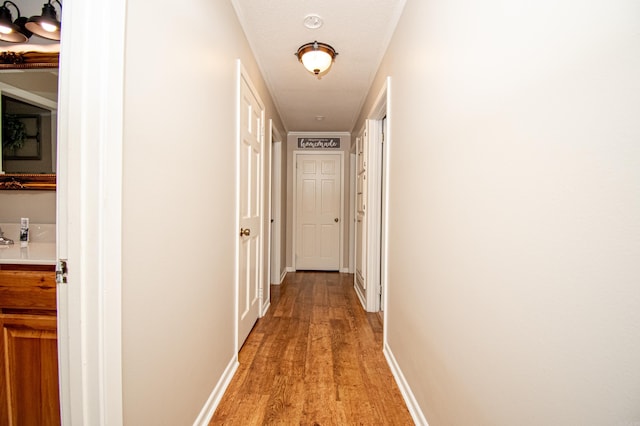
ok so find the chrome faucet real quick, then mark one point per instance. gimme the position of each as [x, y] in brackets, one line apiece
[4, 241]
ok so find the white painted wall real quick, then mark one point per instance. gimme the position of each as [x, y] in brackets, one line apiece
[179, 235]
[514, 218]
[38, 206]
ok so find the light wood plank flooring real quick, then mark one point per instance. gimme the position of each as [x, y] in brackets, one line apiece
[314, 359]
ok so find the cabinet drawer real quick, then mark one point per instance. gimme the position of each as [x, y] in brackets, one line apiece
[29, 356]
[27, 289]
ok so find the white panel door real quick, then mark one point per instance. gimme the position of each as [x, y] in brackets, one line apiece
[361, 217]
[318, 211]
[251, 151]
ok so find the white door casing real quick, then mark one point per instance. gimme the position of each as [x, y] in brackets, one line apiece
[251, 153]
[89, 228]
[383, 209]
[373, 229]
[276, 209]
[265, 277]
[360, 276]
[318, 211]
[382, 117]
[352, 215]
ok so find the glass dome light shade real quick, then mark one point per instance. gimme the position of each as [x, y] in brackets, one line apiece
[316, 57]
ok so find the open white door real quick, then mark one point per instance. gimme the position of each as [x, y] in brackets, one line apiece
[251, 122]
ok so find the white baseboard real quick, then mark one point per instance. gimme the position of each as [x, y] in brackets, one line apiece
[209, 408]
[265, 308]
[284, 274]
[414, 409]
[291, 269]
[360, 296]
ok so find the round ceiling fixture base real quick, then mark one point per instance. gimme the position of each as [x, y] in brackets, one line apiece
[313, 22]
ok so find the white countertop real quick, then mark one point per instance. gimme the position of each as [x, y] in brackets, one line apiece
[41, 250]
[33, 254]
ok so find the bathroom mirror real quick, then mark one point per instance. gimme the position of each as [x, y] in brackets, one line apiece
[29, 98]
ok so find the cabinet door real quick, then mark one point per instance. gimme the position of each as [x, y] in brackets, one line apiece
[29, 357]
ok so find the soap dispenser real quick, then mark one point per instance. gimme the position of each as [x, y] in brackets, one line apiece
[24, 232]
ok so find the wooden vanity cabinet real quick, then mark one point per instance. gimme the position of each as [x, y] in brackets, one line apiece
[28, 346]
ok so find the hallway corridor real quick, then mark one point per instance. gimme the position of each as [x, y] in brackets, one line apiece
[314, 359]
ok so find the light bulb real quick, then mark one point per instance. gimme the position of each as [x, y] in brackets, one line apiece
[5, 30]
[48, 27]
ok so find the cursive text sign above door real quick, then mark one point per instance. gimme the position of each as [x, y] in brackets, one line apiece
[318, 143]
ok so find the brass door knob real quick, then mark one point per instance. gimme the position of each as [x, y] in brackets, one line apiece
[245, 232]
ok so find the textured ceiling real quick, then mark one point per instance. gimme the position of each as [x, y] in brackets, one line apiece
[359, 30]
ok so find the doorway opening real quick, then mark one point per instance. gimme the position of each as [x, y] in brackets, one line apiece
[371, 208]
[276, 257]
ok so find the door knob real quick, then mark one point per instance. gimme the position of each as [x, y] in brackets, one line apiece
[245, 232]
[336, 220]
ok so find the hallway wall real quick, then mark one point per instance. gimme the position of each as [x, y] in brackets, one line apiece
[179, 206]
[514, 218]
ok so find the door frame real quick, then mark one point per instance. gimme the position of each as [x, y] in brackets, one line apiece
[90, 214]
[360, 251]
[294, 179]
[351, 267]
[378, 205]
[275, 208]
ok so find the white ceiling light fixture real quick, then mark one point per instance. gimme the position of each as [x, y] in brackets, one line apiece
[317, 57]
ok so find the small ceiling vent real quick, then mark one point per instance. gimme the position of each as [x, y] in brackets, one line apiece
[313, 22]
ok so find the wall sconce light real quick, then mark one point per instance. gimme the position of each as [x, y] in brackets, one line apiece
[47, 24]
[316, 57]
[13, 32]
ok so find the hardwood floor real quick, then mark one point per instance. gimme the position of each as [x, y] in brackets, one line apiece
[314, 359]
